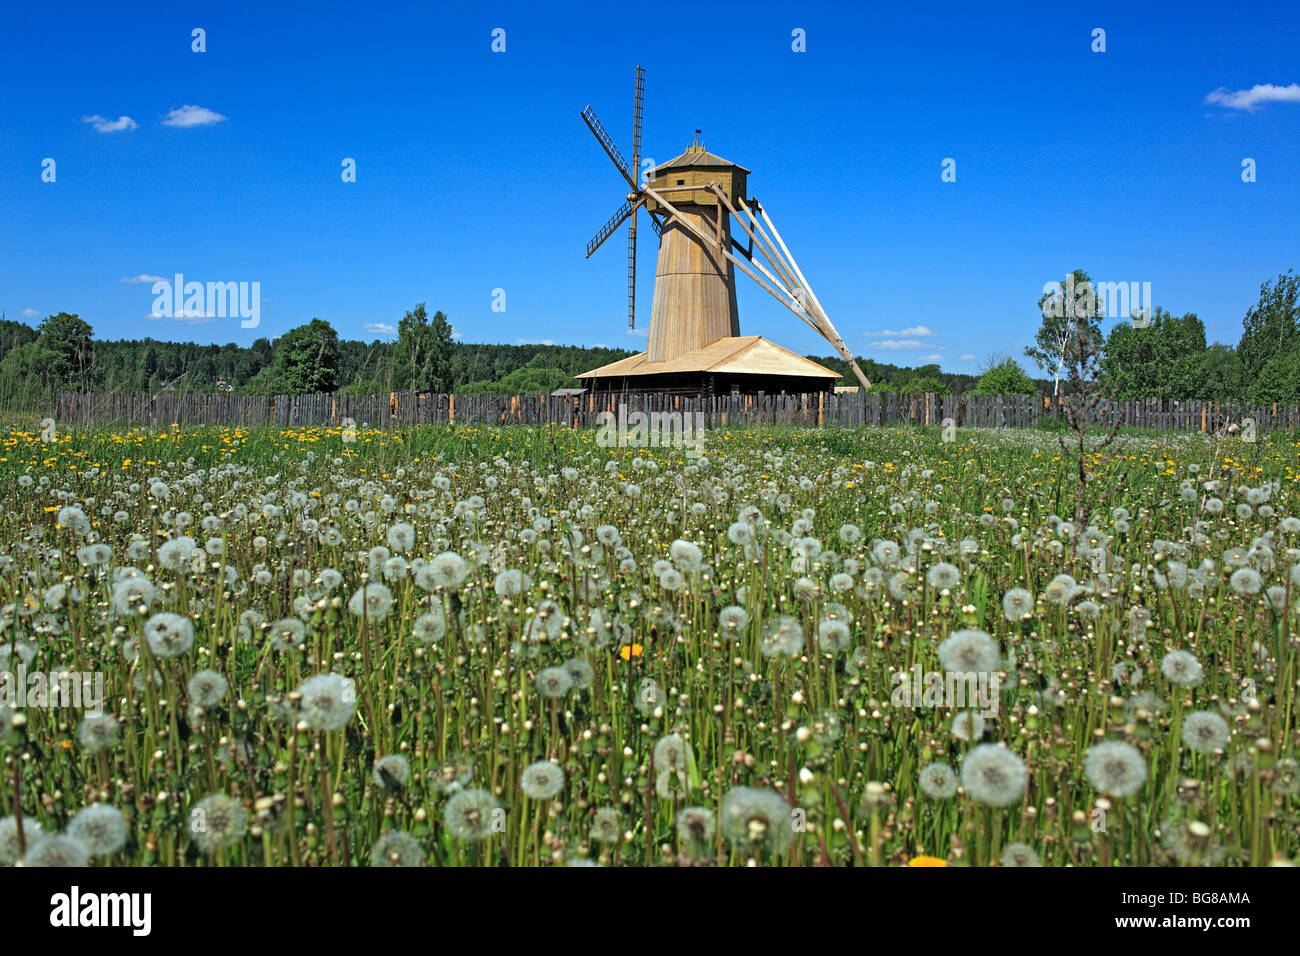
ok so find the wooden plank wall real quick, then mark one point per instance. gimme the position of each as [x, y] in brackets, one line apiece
[823, 408]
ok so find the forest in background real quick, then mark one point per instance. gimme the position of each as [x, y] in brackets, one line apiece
[1156, 355]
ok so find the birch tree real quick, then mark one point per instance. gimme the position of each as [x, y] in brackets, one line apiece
[1060, 305]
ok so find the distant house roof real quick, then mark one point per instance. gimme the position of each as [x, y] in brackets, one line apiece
[732, 355]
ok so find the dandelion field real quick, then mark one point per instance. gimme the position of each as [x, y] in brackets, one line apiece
[482, 647]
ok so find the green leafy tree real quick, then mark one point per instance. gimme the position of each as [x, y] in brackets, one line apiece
[1159, 360]
[15, 333]
[441, 348]
[922, 384]
[1219, 373]
[1074, 298]
[306, 359]
[410, 366]
[530, 380]
[66, 337]
[1005, 378]
[424, 351]
[24, 378]
[1272, 326]
[1279, 380]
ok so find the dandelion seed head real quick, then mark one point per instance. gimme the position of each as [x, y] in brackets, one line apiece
[397, 848]
[99, 827]
[938, 781]
[1115, 768]
[994, 775]
[542, 780]
[1205, 732]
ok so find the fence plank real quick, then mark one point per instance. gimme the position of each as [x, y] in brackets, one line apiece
[848, 410]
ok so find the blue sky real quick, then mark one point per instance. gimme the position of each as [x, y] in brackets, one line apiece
[475, 172]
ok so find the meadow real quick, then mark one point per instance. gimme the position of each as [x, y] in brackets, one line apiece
[467, 646]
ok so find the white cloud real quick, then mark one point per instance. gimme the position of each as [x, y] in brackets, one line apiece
[533, 342]
[103, 124]
[896, 344]
[379, 328]
[931, 358]
[456, 335]
[143, 277]
[29, 313]
[914, 331]
[192, 116]
[1255, 97]
[968, 357]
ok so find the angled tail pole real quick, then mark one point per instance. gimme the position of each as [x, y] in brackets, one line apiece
[802, 300]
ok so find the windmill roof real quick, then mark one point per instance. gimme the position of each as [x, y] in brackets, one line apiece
[735, 354]
[698, 156]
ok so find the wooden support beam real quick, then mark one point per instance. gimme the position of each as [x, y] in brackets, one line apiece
[829, 330]
[811, 313]
[711, 244]
[771, 255]
[758, 227]
[785, 283]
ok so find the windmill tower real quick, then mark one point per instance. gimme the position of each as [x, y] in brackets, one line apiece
[694, 340]
[695, 288]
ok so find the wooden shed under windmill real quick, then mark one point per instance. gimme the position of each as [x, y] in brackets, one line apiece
[694, 345]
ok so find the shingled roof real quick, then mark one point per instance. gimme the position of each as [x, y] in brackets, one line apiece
[696, 156]
[730, 355]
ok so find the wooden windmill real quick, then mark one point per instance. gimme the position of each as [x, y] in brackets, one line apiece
[694, 340]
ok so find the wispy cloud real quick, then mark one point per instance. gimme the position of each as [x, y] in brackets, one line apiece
[142, 278]
[896, 344]
[914, 331]
[103, 124]
[29, 313]
[192, 116]
[931, 358]
[533, 342]
[380, 328]
[1255, 97]
[968, 357]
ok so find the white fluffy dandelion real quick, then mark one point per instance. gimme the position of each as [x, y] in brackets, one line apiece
[328, 701]
[1017, 604]
[168, 634]
[970, 651]
[1181, 668]
[994, 775]
[1205, 732]
[542, 780]
[1115, 768]
[938, 781]
[100, 828]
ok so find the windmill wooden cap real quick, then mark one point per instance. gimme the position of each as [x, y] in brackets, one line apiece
[698, 156]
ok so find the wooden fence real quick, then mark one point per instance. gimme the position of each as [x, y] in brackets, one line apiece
[846, 409]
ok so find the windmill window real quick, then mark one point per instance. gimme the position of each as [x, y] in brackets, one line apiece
[681, 182]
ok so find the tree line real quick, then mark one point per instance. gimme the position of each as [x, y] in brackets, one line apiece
[1155, 354]
[1151, 355]
[62, 353]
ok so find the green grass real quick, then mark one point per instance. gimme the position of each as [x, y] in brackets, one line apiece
[819, 730]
